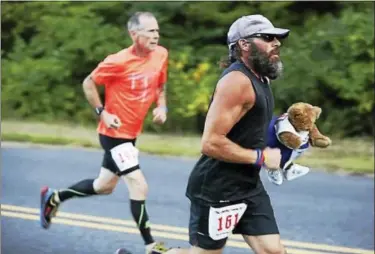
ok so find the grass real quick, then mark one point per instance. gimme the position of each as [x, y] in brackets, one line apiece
[40, 139]
[351, 155]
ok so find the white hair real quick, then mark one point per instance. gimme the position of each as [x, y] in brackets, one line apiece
[134, 24]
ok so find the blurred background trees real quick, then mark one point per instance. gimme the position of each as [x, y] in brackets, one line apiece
[48, 48]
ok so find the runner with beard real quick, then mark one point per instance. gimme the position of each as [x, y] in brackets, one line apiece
[224, 188]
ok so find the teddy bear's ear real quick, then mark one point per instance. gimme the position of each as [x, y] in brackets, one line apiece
[317, 111]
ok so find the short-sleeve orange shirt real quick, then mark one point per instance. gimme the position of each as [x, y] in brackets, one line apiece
[132, 84]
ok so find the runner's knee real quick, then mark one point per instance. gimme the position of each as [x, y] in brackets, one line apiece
[274, 249]
[137, 185]
[144, 189]
[105, 190]
[104, 186]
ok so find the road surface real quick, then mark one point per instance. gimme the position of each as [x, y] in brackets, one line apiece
[319, 213]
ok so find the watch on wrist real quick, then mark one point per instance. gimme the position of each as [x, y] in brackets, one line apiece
[99, 110]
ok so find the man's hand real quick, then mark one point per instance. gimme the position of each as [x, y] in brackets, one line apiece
[160, 115]
[272, 158]
[110, 120]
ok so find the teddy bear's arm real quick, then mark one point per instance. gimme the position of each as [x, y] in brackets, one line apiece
[290, 140]
[317, 139]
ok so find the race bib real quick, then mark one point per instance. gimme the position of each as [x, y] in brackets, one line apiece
[125, 156]
[223, 220]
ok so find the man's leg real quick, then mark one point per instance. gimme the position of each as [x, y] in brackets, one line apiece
[138, 189]
[51, 199]
[137, 186]
[259, 228]
[265, 244]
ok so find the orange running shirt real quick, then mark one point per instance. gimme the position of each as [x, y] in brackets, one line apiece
[132, 84]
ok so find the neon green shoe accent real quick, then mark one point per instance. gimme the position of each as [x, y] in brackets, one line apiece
[159, 246]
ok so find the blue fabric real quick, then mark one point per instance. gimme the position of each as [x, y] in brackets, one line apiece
[273, 142]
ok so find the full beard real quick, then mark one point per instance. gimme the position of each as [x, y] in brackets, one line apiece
[263, 65]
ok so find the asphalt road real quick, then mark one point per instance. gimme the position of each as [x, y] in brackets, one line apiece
[319, 213]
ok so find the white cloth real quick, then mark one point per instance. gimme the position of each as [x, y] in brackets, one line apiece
[283, 125]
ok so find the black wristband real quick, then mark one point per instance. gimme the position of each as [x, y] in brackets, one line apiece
[99, 110]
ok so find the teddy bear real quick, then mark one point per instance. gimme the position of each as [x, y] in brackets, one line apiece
[293, 133]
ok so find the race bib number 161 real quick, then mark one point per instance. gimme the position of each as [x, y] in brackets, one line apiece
[223, 220]
[125, 156]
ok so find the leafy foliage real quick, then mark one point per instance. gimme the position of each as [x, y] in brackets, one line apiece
[48, 48]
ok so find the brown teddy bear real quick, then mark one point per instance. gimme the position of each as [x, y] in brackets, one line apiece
[303, 116]
[292, 133]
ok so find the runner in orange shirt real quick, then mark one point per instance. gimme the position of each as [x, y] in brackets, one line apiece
[134, 78]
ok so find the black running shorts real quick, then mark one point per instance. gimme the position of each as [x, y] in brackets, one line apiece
[107, 144]
[258, 219]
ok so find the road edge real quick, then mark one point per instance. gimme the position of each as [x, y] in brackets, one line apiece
[19, 144]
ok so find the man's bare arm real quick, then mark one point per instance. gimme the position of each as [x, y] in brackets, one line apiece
[234, 96]
[162, 98]
[91, 92]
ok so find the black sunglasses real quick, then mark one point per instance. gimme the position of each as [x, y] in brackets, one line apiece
[265, 37]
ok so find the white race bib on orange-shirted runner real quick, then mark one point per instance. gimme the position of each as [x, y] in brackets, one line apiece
[125, 156]
[223, 220]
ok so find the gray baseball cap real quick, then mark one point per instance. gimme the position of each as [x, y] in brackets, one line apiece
[253, 24]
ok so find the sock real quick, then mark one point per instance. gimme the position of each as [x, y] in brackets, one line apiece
[287, 167]
[83, 188]
[138, 209]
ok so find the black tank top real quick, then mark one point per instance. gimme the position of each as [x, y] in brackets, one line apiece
[213, 181]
